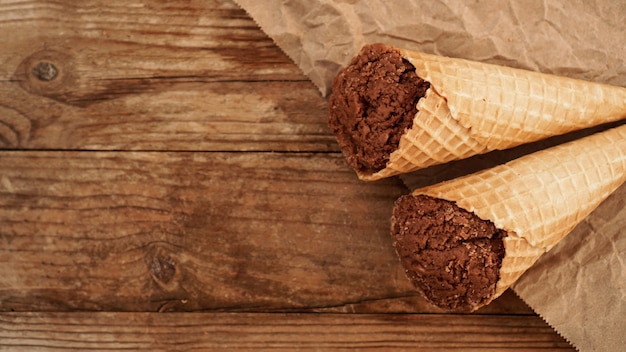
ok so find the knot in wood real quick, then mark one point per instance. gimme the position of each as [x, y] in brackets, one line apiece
[49, 73]
[45, 71]
[163, 268]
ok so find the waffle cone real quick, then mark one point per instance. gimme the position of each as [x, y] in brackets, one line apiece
[539, 198]
[473, 108]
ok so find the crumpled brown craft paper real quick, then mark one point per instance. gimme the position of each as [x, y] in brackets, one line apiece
[579, 287]
[576, 38]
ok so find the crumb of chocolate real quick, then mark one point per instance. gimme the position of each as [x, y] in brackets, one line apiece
[450, 254]
[373, 102]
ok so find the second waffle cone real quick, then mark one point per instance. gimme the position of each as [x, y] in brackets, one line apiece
[539, 198]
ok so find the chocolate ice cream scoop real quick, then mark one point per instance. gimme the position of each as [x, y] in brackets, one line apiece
[373, 103]
[449, 254]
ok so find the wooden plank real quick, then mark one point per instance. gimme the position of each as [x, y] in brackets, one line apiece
[285, 116]
[188, 231]
[150, 76]
[272, 332]
[215, 39]
[141, 231]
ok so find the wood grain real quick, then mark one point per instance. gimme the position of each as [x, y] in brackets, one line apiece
[197, 231]
[273, 332]
[157, 231]
[151, 76]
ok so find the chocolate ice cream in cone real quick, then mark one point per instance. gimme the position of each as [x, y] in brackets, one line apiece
[394, 111]
[463, 242]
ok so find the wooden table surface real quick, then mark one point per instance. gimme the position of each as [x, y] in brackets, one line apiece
[168, 182]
